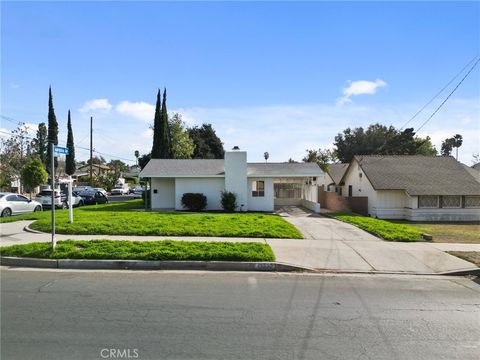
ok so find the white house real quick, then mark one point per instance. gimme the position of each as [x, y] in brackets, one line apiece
[418, 188]
[258, 186]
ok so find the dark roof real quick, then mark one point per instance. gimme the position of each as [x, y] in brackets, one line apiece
[216, 168]
[473, 172]
[336, 171]
[418, 175]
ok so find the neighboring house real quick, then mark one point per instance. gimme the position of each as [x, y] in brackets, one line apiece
[332, 178]
[97, 169]
[419, 188]
[258, 186]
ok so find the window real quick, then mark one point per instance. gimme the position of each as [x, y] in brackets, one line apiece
[472, 201]
[258, 188]
[12, 198]
[22, 198]
[428, 201]
[451, 201]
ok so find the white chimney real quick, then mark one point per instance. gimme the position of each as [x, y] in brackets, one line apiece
[236, 175]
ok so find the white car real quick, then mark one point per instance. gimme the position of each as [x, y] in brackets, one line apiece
[77, 200]
[102, 190]
[45, 198]
[14, 204]
[119, 190]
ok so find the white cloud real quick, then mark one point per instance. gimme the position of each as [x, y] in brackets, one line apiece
[140, 110]
[360, 87]
[102, 105]
[14, 86]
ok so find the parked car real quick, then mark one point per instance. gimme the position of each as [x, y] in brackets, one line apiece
[77, 200]
[137, 190]
[119, 190]
[82, 188]
[93, 197]
[13, 204]
[45, 198]
[102, 190]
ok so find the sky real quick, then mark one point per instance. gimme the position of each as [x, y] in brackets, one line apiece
[280, 77]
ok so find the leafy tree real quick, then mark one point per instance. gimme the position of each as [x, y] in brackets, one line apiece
[290, 160]
[379, 140]
[161, 130]
[207, 144]
[144, 159]
[182, 145]
[70, 158]
[99, 160]
[425, 146]
[118, 167]
[106, 180]
[157, 124]
[52, 131]
[39, 144]
[450, 143]
[13, 155]
[34, 174]
[321, 157]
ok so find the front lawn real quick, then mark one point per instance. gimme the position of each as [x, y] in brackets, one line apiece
[128, 218]
[144, 250]
[385, 229]
[450, 232]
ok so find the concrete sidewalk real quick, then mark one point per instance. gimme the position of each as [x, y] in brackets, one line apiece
[330, 245]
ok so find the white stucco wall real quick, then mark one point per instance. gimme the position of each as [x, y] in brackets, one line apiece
[236, 176]
[164, 198]
[360, 186]
[210, 187]
[445, 214]
[264, 203]
[325, 180]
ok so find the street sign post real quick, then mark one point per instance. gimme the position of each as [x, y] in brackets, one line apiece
[54, 149]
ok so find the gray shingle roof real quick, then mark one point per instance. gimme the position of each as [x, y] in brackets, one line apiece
[216, 168]
[419, 175]
[183, 168]
[336, 172]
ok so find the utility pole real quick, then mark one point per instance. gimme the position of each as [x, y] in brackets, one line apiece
[52, 174]
[91, 151]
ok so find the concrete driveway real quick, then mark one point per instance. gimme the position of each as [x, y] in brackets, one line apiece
[334, 245]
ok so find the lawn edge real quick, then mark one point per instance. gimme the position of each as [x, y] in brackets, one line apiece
[89, 264]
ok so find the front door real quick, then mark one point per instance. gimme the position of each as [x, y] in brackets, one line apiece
[349, 190]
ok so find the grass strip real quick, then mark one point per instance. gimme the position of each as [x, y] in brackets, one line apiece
[385, 229]
[144, 250]
[127, 218]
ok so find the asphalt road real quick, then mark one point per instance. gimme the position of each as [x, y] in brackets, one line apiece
[115, 198]
[155, 315]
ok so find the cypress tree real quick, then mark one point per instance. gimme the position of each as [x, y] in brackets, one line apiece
[42, 135]
[156, 129]
[70, 159]
[165, 145]
[52, 131]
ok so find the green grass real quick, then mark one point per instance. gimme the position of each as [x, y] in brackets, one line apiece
[126, 219]
[144, 250]
[385, 229]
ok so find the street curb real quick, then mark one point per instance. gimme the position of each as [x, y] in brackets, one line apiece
[27, 229]
[150, 265]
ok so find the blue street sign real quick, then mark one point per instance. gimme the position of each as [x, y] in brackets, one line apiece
[61, 150]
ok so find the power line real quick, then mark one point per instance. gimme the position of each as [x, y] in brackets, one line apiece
[438, 93]
[449, 95]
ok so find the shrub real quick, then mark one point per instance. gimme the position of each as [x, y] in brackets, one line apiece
[194, 201]
[228, 201]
